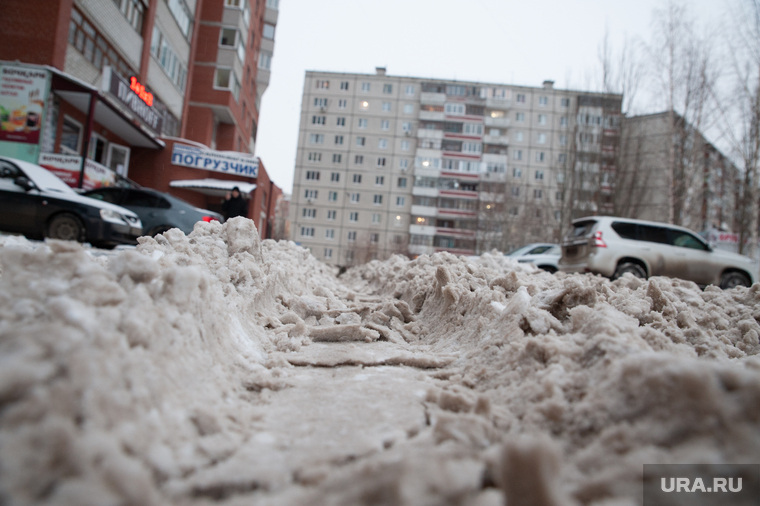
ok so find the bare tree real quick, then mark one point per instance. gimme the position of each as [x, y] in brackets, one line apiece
[740, 115]
[685, 70]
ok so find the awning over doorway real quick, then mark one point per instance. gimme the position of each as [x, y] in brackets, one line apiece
[214, 187]
[106, 112]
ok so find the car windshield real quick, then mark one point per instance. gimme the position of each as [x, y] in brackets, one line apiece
[47, 181]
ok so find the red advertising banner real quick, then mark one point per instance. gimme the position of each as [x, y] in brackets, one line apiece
[22, 99]
[68, 168]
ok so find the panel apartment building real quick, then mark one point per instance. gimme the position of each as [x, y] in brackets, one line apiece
[115, 86]
[389, 164]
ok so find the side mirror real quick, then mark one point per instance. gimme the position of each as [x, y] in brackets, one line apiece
[25, 183]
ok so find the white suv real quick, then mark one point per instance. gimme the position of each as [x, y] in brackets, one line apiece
[612, 246]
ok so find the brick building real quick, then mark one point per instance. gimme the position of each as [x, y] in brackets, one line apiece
[96, 90]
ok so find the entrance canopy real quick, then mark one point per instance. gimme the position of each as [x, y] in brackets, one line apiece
[214, 187]
[104, 110]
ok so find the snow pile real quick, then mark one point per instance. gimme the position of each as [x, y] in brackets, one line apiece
[216, 368]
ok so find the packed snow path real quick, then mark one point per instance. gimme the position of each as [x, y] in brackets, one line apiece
[216, 368]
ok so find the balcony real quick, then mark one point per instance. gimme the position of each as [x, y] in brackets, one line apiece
[432, 98]
[496, 122]
[432, 115]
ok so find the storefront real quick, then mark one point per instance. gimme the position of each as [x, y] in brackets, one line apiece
[82, 133]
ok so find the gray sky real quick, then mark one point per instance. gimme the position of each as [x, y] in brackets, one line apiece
[521, 42]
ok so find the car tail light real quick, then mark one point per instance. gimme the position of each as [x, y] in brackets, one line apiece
[209, 219]
[598, 241]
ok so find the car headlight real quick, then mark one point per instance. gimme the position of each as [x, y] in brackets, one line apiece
[115, 217]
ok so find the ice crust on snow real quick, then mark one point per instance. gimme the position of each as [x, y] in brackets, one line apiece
[216, 368]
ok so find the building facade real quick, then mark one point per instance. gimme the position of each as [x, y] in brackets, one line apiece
[127, 88]
[388, 164]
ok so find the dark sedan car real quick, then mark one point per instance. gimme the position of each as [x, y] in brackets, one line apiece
[158, 211]
[36, 203]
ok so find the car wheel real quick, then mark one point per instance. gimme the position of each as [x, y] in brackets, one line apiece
[548, 268]
[159, 230]
[65, 227]
[630, 267]
[733, 279]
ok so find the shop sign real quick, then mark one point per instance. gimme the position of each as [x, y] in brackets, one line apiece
[68, 168]
[133, 95]
[216, 161]
[23, 91]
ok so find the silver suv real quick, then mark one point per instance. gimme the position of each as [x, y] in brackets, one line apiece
[612, 246]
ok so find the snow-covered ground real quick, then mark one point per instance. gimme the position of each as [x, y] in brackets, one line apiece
[216, 368]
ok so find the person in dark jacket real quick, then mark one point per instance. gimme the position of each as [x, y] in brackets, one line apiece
[234, 205]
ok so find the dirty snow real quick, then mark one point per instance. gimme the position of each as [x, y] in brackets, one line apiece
[216, 368]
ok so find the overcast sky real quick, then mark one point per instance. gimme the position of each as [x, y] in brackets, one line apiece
[521, 42]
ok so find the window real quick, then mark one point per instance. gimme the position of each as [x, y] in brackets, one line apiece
[516, 173]
[401, 182]
[563, 140]
[386, 107]
[542, 119]
[353, 216]
[410, 89]
[310, 194]
[387, 89]
[358, 159]
[403, 164]
[351, 236]
[381, 161]
[318, 120]
[321, 84]
[382, 143]
[312, 175]
[457, 109]
[309, 212]
[517, 155]
[366, 87]
[520, 98]
[361, 141]
[338, 139]
[377, 199]
[315, 157]
[405, 145]
[307, 231]
[268, 31]
[374, 237]
[379, 180]
[226, 79]
[182, 15]
[228, 37]
[515, 191]
[342, 103]
[538, 194]
[562, 158]
[542, 138]
[400, 201]
[564, 102]
[344, 85]
[357, 179]
[376, 218]
[340, 121]
[543, 100]
[355, 198]
[133, 11]
[539, 174]
[332, 214]
[385, 124]
[540, 156]
[320, 102]
[362, 122]
[519, 136]
[337, 157]
[328, 252]
[71, 136]
[316, 139]
[408, 108]
[520, 117]
[335, 177]
[330, 233]
[563, 121]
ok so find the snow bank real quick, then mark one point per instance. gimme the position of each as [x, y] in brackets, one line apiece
[216, 368]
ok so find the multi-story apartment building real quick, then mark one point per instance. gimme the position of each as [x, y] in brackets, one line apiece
[669, 171]
[388, 164]
[164, 92]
